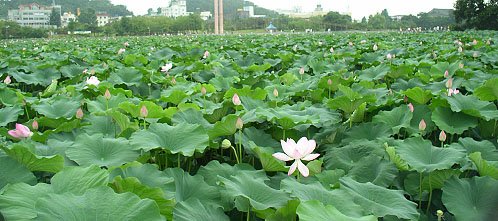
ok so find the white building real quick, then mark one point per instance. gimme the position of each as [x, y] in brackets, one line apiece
[66, 18]
[103, 19]
[175, 9]
[206, 15]
[32, 15]
[249, 9]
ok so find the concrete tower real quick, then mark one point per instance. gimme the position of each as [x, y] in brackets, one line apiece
[218, 16]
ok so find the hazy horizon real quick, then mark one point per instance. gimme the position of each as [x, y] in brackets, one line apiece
[358, 8]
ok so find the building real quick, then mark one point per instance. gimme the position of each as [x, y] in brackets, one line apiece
[248, 12]
[397, 17]
[66, 18]
[32, 15]
[438, 12]
[319, 11]
[175, 9]
[103, 19]
[206, 15]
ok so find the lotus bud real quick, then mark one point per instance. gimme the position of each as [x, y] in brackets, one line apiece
[329, 82]
[442, 136]
[301, 71]
[226, 144]
[239, 124]
[203, 90]
[410, 105]
[173, 81]
[474, 42]
[449, 83]
[460, 65]
[7, 80]
[206, 54]
[422, 125]
[389, 56]
[446, 73]
[34, 125]
[460, 49]
[107, 94]
[488, 42]
[375, 47]
[331, 49]
[275, 92]
[439, 214]
[143, 111]
[236, 100]
[475, 54]
[126, 44]
[79, 114]
[350, 43]
[24, 102]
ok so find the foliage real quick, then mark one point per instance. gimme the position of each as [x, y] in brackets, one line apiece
[476, 14]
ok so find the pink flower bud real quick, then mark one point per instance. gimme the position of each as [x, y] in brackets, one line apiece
[350, 43]
[143, 111]
[7, 80]
[173, 81]
[446, 73]
[375, 47]
[460, 65]
[329, 82]
[107, 94]
[301, 71]
[236, 100]
[474, 42]
[449, 83]
[275, 92]
[203, 90]
[79, 114]
[389, 56]
[475, 54]
[331, 50]
[20, 132]
[239, 124]
[34, 125]
[460, 49]
[442, 136]
[422, 125]
[410, 105]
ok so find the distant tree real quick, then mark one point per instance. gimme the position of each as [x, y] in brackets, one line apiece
[377, 21]
[386, 15]
[88, 16]
[364, 20]
[55, 18]
[476, 14]
[149, 11]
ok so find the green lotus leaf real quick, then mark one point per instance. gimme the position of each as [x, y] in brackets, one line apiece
[8, 96]
[224, 127]
[191, 116]
[285, 213]
[258, 93]
[101, 104]
[329, 178]
[153, 110]
[98, 203]
[395, 158]
[77, 180]
[33, 162]
[472, 106]
[437, 178]
[347, 156]
[488, 91]
[100, 125]
[380, 201]
[471, 198]
[133, 185]
[441, 67]
[41, 77]
[127, 76]
[187, 187]
[19, 200]
[375, 170]
[423, 157]
[418, 95]
[60, 108]
[175, 97]
[338, 198]
[317, 66]
[314, 210]
[469, 145]
[9, 114]
[214, 170]
[71, 70]
[243, 188]
[13, 172]
[96, 150]
[182, 138]
[252, 137]
[195, 210]
[451, 122]
[122, 120]
[368, 131]
[374, 73]
[397, 118]
[483, 167]
[421, 112]
[269, 162]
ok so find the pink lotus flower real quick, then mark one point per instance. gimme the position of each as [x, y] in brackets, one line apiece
[107, 94]
[34, 125]
[7, 80]
[239, 124]
[203, 90]
[166, 67]
[363, 41]
[410, 105]
[121, 51]
[275, 92]
[320, 43]
[451, 91]
[173, 81]
[302, 150]
[93, 81]
[442, 136]
[446, 74]
[375, 47]
[329, 82]
[474, 42]
[422, 125]
[206, 54]
[331, 50]
[236, 100]
[475, 54]
[126, 44]
[460, 49]
[79, 114]
[20, 132]
[301, 71]
[460, 65]
[350, 43]
[143, 111]
[449, 83]
[389, 56]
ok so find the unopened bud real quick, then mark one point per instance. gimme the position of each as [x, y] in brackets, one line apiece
[143, 111]
[34, 125]
[226, 144]
[107, 94]
[239, 124]
[79, 114]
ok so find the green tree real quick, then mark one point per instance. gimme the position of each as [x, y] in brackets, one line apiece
[476, 14]
[55, 18]
[88, 16]
[377, 21]
[386, 15]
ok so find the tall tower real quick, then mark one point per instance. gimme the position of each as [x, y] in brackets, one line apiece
[221, 16]
[218, 16]
[216, 25]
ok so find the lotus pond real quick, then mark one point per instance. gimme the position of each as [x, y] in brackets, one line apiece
[349, 126]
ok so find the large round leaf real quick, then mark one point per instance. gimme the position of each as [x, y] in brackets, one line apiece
[12, 172]
[471, 199]
[451, 122]
[9, 114]
[314, 210]
[375, 170]
[195, 210]
[423, 157]
[397, 118]
[79, 179]
[182, 138]
[187, 186]
[96, 150]
[380, 201]
[18, 201]
[488, 91]
[374, 73]
[369, 131]
[471, 105]
[128, 76]
[96, 204]
[59, 108]
[34, 162]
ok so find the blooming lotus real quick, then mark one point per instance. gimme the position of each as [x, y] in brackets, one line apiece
[166, 67]
[126, 44]
[331, 49]
[302, 150]
[389, 56]
[93, 81]
[206, 54]
[121, 51]
[350, 43]
[451, 91]
[20, 132]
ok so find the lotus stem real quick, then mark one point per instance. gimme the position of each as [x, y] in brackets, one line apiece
[283, 137]
[204, 103]
[236, 156]
[145, 125]
[27, 114]
[420, 193]
[178, 160]
[298, 176]
[430, 195]
[240, 145]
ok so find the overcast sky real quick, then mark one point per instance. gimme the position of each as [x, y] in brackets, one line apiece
[359, 8]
